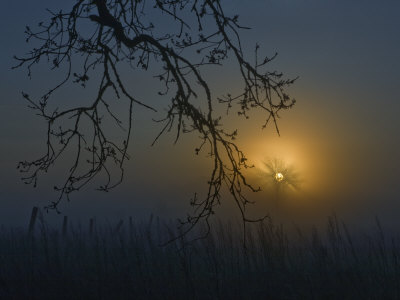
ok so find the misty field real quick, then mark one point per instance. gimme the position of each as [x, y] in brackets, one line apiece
[126, 261]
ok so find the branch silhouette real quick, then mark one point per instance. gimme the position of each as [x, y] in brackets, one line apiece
[107, 35]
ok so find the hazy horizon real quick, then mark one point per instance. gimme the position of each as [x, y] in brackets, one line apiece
[342, 136]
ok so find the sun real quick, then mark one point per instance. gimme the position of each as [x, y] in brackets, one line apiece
[279, 177]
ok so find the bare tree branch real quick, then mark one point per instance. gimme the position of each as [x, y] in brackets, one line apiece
[103, 34]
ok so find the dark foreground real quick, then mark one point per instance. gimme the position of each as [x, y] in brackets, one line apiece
[128, 263]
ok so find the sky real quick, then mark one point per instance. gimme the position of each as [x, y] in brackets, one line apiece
[342, 136]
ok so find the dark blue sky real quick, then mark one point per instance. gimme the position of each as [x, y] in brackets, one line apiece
[343, 134]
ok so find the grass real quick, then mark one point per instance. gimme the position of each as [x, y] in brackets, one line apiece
[130, 264]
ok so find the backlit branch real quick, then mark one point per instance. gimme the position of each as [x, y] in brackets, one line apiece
[93, 40]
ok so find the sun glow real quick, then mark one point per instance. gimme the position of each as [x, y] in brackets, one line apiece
[279, 177]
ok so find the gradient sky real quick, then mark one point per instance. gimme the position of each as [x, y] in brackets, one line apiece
[342, 136]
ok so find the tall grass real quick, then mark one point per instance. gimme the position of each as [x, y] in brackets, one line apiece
[105, 263]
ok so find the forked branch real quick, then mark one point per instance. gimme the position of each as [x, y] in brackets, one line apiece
[97, 37]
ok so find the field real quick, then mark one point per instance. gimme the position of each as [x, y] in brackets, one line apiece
[127, 262]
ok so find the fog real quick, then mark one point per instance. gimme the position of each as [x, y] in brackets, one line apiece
[341, 136]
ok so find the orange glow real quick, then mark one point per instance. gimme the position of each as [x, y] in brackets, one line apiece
[279, 177]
